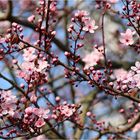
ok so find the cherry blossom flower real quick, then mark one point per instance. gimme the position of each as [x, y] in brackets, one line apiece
[136, 80]
[28, 66]
[120, 74]
[32, 113]
[136, 68]
[33, 98]
[8, 108]
[67, 111]
[8, 104]
[31, 18]
[127, 37]
[53, 7]
[41, 112]
[136, 127]
[40, 122]
[81, 13]
[9, 97]
[42, 65]
[29, 110]
[29, 54]
[130, 78]
[82, 16]
[23, 74]
[92, 58]
[2, 40]
[113, 1]
[90, 26]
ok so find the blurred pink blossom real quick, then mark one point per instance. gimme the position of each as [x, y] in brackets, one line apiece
[92, 58]
[31, 18]
[27, 4]
[29, 54]
[65, 110]
[136, 68]
[120, 74]
[42, 65]
[81, 13]
[136, 127]
[113, 1]
[8, 106]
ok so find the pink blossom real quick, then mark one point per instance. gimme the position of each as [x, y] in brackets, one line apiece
[88, 114]
[33, 98]
[31, 18]
[136, 127]
[2, 40]
[86, 20]
[136, 68]
[29, 54]
[42, 65]
[131, 78]
[90, 26]
[9, 97]
[23, 74]
[28, 66]
[32, 112]
[113, 1]
[66, 110]
[127, 37]
[92, 58]
[81, 13]
[136, 80]
[8, 106]
[53, 7]
[40, 122]
[41, 112]
[120, 74]
[29, 110]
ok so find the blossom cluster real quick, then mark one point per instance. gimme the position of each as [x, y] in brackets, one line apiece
[34, 118]
[128, 81]
[32, 67]
[8, 103]
[86, 22]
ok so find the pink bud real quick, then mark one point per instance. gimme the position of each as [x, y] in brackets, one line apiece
[33, 98]
[124, 87]
[53, 33]
[57, 98]
[14, 61]
[22, 85]
[129, 120]
[88, 114]
[67, 53]
[14, 24]
[121, 110]
[31, 18]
